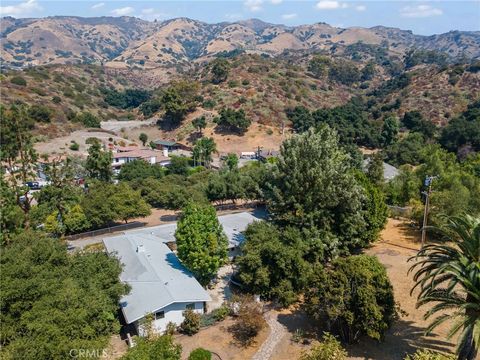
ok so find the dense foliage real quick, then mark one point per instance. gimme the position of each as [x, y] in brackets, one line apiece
[129, 98]
[350, 121]
[234, 120]
[158, 348]
[353, 297]
[463, 132]
[52, 302]
[201, 242]
[179, 99]
[454, 189]
[312, 186]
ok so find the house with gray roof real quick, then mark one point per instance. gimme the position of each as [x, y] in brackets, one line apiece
[389, 171]
[160, 284]
[233, 226]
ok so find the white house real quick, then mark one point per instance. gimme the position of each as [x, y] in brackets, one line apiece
[150, 156]
[160, 284]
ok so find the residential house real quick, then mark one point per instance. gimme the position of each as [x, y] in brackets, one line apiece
[150, 156]
[168, 146]
[233, 226]
[160, 284]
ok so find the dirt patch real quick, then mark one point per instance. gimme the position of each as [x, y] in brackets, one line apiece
[219, 339]
[116, 348]
[61, 145]
[269, 138]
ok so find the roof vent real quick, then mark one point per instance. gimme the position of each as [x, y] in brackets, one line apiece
[140, 248]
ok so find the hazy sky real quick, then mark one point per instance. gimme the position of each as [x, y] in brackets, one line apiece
[422, 17]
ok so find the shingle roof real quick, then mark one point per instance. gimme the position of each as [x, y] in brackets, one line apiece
[155, 274]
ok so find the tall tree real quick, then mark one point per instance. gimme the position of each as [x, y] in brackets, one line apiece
[375, 169]
[143, 138]
[312, 186]
[448, 277]
[390, 130]
[128, 203]
[200, 123]
[220, 70]
[203, 150]
[18, 157]
[99, 163]
[179, 99]
[201, 242]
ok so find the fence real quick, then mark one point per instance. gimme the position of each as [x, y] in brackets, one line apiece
[398, 211]
[106, 230]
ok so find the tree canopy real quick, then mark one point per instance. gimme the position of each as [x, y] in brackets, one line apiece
[52, 302]
[312, 186]
[353, 296]
[201, 242]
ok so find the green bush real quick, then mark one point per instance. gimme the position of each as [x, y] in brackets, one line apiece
[191, 322]
[329, 349]
[162, 347]
[200, 354]
[56, 100]
[221, 313]
[209, 104]
[74, 146]
[40, 113]
[352, 297]
[91, 140]
[88, 119]
[18, 80]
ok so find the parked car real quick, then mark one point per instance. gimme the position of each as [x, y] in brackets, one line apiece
[33, 185]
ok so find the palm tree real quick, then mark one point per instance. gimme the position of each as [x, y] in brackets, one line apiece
[448, 276]
[203, 150]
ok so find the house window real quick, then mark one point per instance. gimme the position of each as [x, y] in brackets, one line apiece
[159, 315]
[190, 306]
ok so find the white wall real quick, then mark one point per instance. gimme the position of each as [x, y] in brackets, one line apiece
[173, 313]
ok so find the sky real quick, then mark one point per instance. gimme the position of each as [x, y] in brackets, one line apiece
[422, 17]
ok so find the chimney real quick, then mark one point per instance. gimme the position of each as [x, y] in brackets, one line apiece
[140, 248]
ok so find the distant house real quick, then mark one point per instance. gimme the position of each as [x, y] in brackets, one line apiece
[150, 156]
[233, 226]
[160, 284]
[389, 171]
[168, 145]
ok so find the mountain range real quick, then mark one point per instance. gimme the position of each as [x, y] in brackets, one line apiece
[126, 42]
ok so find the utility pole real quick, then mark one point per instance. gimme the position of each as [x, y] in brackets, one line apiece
[428, 184]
